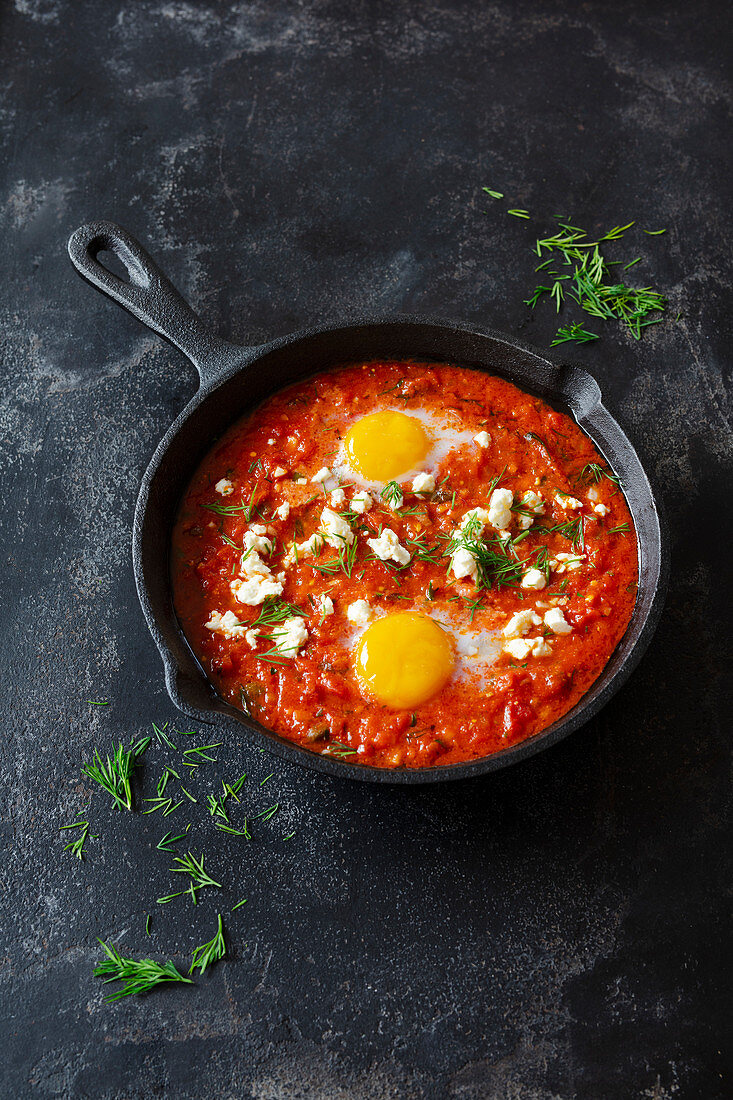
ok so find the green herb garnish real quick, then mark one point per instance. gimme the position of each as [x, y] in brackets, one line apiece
[209, 953]
[137, 975]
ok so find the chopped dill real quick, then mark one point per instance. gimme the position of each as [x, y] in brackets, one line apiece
[114, 774]
[137, 975]
[209, 953]
[77, 845]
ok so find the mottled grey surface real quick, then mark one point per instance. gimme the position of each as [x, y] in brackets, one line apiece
[555, 931]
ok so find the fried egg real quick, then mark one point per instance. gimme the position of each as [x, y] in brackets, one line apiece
[404, 658]
[389, 445]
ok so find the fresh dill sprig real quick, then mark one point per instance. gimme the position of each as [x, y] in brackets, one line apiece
[239, 904]
[114, 773]
[162, 737]
[164, 844]
[202, 752]
[494, 194]
[622, 529]
[592, 473]
[519, 213]
[337, 749]
[576, 333]
[192, 866]
[77, 846]
[137, 975]
[247, 510]
[392, 494]
[209, 953]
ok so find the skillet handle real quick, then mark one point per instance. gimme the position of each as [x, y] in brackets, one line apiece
[149, 295]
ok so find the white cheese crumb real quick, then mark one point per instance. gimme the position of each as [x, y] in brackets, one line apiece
[254, 539]
[463, 563]
[325, 604]
[270, 442]
[520, 648]
[423, 483]
[601, 510]
[500, 508]
[283, 511]
[252, 565]
[301, 481]
[279, 472]
[534, 579]
[361, 502]
[323, 475]
[338, 496]
[479, 515]
[483, 439]
[563, 500]
[224, 487]
[291, 636]
[387, 547]
[227, 624]
[556, 621]
[535, 504]
[562, 562]
[593, 493]
[256, 589]
[359, 612]
[251, 637]
[335, 529]
[521, 622]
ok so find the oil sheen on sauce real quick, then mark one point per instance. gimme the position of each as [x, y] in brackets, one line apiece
[404, 564]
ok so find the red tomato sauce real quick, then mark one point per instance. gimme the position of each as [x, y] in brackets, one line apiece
[312, 696]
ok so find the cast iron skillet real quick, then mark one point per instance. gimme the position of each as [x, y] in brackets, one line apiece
[236, 379]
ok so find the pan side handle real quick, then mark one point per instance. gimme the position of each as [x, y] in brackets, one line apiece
[149, 295]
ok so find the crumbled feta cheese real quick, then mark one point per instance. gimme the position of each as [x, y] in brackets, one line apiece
[224, 487]
[361, 502]
[323, 475]
[562, 562]
[601, 510]
[534, 503]
[325, 605]
[520, 648]
[423, 483]
[387, 547]
[394, 498]
[335, 529]
[463, 564]
[556, 621]
[252, 565]
[270, 442]
[483, 439]
[500, 508]
[251, 637]
[279, 472]
[254, 539]
[504, 535]
[521, 623]
[338, 496]
[477, 517]
[593, 493]
[564, 500]
[227, 624]
[301, 480]
[283, 511]
[359, 612]
[535, 579]
[291, 636]
[256, 589]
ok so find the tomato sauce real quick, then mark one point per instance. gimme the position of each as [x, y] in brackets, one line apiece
[254, 496]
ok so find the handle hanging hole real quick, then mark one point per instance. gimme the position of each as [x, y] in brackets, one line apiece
[111, 262]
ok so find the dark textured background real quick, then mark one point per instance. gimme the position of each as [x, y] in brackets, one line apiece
[555, 931]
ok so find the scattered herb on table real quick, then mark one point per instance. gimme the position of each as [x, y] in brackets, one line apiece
[137, 975]
[209, 953]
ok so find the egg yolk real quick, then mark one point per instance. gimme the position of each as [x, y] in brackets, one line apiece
[384, 445]
[403, 659]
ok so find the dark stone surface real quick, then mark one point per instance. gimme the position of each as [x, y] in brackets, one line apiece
[553, 932]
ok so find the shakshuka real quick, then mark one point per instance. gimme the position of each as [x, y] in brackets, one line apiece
[404, 564]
